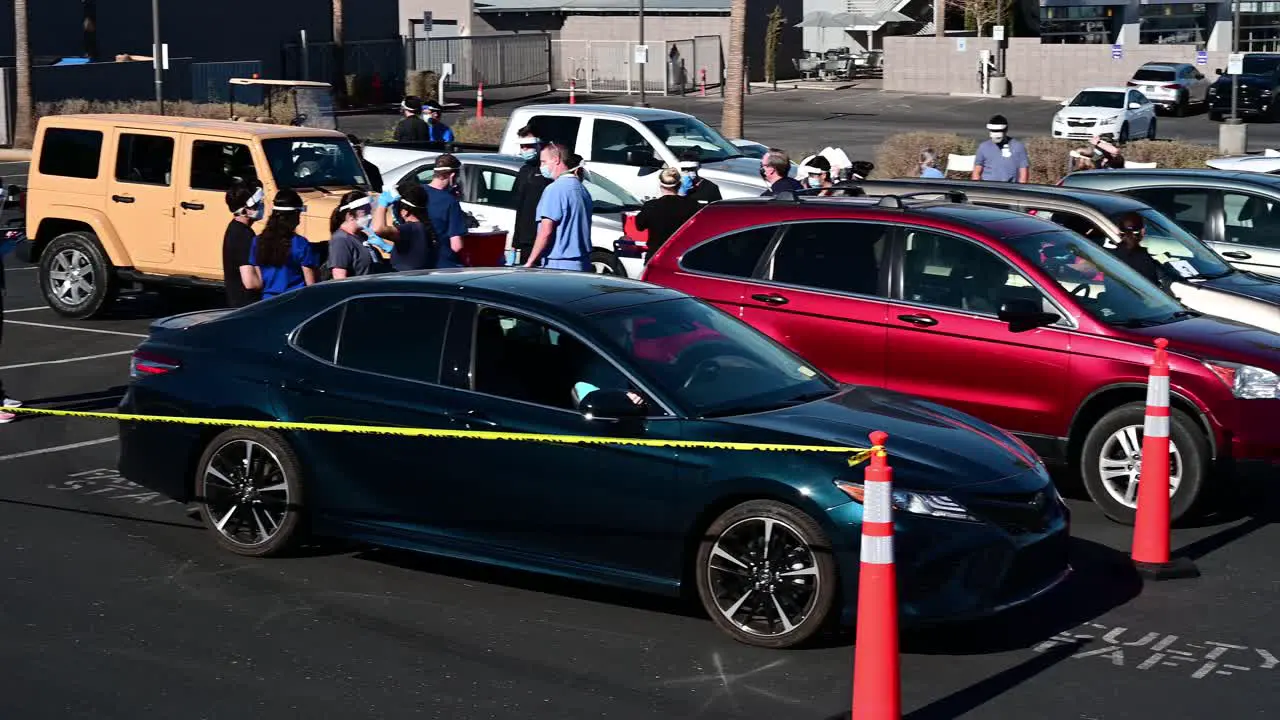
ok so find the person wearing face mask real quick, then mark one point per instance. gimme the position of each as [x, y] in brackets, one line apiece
[281, 260]
[529, 186]
[663, 215]
[437, 131]
[692, 184]
[1002, 158]
[246, 202]
[413, 242]
[350, 252]
[819, 177]
[444, 211]
[411, 129]
[774, 167]
[564, 216]
[1131, 251]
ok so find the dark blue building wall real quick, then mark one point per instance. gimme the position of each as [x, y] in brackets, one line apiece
[215, 30]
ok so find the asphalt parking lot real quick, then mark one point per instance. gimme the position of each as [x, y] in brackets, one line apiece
[118, 605]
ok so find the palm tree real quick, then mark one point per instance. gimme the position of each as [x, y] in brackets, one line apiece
[24, 132]
[339, 55]
[731, 119]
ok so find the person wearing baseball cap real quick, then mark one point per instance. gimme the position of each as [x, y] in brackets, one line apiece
[411, 129]
[437, 131]
[1002, 158]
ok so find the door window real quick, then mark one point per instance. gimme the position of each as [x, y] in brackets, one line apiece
[1251, 219]
[144, 159]
[215, 165]
[949, 272]
[612, 140]
[496, 188]
[520, 358]
[840, 256]
[1076, 223]
[735, 255]
[560, 129]
[399, 336]
[1189, 208]
[319, 335]
[71, 153]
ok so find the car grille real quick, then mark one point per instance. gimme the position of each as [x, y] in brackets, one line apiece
[1035, 566]
[1017, 514]
[1081, 122]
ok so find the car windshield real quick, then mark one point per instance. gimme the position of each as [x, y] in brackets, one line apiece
[1150, 74]
[607, 196]
[1259, 64]
[1098, 98]
[688, 133]
[1103, 285]
[1168, 242]
[709, 362]
[305, 162]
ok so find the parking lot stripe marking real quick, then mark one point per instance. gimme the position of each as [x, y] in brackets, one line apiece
[30, 309]
[66, 360]
[72, 327]
[58, 448]
[31, 267]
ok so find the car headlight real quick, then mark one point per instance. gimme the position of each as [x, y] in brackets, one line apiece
[916, 503]
[1246, 381]
[1108, 121]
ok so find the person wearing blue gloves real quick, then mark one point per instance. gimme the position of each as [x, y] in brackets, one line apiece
[437, 131]
[413, 242]
[663, 215]
[692, 184]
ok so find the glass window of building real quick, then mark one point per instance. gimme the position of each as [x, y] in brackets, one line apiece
[1080, 24]
[1260, 26]
[1175, 24]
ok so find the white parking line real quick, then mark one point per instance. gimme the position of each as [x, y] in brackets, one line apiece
[29, 267]
[72, 327]
[66, 360]
[58, 448]
[30, 309]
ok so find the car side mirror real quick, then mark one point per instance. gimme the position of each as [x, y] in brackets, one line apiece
[1023, 315]
[640, 158]
[1064, 103]
[611, 405]
[1135, 106]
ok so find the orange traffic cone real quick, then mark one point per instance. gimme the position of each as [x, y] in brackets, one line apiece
[877, 688]
[480, 100]
[573, 87]
[1151, 526]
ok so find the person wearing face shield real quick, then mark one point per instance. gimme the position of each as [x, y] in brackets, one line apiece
[414, 243]
[819, 177]
[1131, 251]
[529, 186]
[246, 202]
[280, 259]
[411, 129]
[1002, 158]
[663, 215]
[692, 184]
[437, 131]
[351, 253]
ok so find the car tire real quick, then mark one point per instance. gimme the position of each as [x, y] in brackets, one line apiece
[1214, 116]
[1189, 457]
[80, 253]
[1123, 137]
[604, 262]
[796, 543]
[1151, 130]
[271, 491]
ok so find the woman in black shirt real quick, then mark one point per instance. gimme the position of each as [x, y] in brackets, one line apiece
[246, 202]
[663, 215]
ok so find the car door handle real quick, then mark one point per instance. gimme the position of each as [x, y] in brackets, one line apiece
[771, 298]
[921, 319]
[471, 417]
[121, 198]
[1236, 255]
[192, 206]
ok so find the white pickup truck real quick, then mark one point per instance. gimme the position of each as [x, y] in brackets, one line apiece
[627, 145]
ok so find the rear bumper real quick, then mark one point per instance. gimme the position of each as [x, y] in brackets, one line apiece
[158, 456]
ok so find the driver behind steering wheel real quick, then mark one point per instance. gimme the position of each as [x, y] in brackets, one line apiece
[1131, 251]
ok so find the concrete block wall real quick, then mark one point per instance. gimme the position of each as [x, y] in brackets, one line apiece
[933, 65]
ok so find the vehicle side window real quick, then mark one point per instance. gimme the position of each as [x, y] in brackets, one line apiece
[520, 358]
[144, 159]
[71, 153]
[839, 256]
[319, 335]
[428, 171]
[399, 336]
[612, 140]
[496, 188]
[734, 255]
[557, 128]
[1076, 223]
[1189, 208]
[946, 271]
[215, 165]
[1251, 219]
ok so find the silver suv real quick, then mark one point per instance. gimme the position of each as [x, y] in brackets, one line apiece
[1171, 86]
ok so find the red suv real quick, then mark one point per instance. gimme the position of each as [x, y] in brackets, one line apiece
[1003, 315]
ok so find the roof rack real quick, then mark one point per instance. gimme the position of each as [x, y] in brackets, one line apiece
[886, 201]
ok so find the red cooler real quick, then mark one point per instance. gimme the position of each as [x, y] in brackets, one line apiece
[484, 249]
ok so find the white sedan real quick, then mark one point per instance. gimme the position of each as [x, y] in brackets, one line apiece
[488, 194]
[1122, 113]
[1268, 162]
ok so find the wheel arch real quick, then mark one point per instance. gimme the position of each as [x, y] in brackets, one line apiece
[1105, 399]
[82, 220]
[205, 435]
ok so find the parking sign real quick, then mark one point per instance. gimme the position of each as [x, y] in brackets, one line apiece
[1202, 57]
[1117, 52]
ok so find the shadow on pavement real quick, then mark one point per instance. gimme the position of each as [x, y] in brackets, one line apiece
[107, 399]
[96, 513]
[1102, 579]
[1256, 508]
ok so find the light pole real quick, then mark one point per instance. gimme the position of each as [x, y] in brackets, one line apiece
[642, 65]
[1233, 136]
[1235, 49]
[155, 33]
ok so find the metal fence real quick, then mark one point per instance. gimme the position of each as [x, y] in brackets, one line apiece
[497, 61]
[604, 66]
[693, 61]
[109, 81]
[209, 82]
[378, 65]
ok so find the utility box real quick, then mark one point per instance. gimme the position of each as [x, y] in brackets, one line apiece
[998, 86]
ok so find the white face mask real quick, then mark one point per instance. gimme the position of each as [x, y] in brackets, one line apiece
[997, 136]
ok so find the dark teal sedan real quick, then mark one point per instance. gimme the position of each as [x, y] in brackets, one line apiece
[769, 540]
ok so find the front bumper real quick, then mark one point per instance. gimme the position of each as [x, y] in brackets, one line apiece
[1255, 439]
[1246, 107]
[1084, 132]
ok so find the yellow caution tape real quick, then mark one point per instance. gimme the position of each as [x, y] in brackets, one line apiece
[858, 455]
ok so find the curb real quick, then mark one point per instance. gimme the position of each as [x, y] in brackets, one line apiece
[15, 155]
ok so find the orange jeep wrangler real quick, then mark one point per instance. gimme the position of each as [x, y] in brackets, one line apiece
[140, 199]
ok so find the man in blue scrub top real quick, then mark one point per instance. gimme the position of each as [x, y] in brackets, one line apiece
[1002, 158]
[564, 216]
[444, 211]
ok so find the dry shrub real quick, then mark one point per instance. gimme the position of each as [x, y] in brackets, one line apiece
[480, 131]
[898, 156]
[280, 112]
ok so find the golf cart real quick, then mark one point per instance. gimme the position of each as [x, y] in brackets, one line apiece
[312, 101]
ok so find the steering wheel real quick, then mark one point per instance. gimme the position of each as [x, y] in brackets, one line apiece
[702, 361]
[708, 368]
[1088, 289]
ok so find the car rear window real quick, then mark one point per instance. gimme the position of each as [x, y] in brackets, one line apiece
[1154, 75]
[735, 255]
[69, 152]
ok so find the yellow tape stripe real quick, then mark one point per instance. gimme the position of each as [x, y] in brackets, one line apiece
[859, 454]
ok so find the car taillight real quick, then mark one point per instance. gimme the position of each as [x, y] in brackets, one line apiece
[144, 363]
[1132, 84]
[1170, 86]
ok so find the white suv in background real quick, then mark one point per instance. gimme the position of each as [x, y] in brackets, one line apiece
[1171, 86]
[1121, 113]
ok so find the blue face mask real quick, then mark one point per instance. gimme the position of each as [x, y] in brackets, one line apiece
[529, 154]
[258, 212]
[546, 172]
[686, 184]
